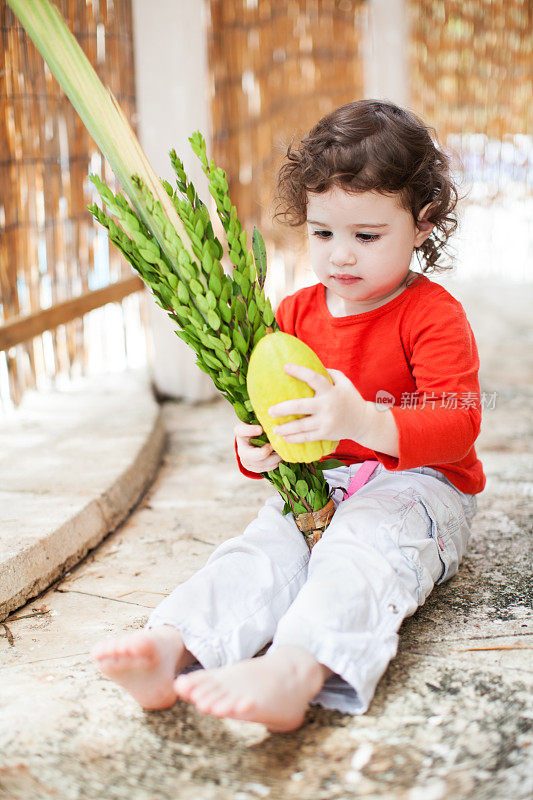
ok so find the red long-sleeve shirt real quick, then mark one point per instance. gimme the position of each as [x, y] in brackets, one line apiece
[418, 349]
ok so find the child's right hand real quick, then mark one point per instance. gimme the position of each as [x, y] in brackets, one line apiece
[254, 459]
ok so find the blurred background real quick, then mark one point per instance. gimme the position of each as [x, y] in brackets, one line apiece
[251, 75]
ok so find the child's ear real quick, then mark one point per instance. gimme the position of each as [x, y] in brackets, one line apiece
[423, 225]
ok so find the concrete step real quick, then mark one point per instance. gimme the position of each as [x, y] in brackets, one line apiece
[73, 463]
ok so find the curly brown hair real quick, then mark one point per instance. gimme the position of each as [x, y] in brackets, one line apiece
[372, 145]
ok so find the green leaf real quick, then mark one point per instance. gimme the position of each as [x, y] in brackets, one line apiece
[232, 364]
[268, 314]
[301, 488]
[190, 192]
[239, 341]
[225, 311]
[241, 312]
[225, 294]
[316, 501]
[168, 188]
[183, 294]
[213, 320]
[252, 273]
[173, 280]
[299, 508]
[259, 250]
[149, 255]
[187, 338]
[207, 261]
[235, 358]
[252, 311]
[275, 477]
[235, 258]
[241, 412]
[216, 344]
[330, 463]
[214, 284]
[287, 472]
[260, 332]
[202, 304]
[211, 360]
[317, 482]
[196, 287]
[245, 285]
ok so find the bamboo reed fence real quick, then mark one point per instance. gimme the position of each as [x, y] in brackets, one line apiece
[276, 67]
[471, 71]
[471, 67]
[55, 265]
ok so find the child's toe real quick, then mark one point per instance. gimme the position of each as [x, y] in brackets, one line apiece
[223, 706]
[201, 691]
[183, 687]
[207, 699]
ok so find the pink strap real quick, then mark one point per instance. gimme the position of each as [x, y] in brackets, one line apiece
[361, 477]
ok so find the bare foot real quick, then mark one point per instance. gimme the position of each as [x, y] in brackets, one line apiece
[145, 663]
[274, 689]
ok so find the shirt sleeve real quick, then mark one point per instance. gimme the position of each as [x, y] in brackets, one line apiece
[283, 319]
[441, 421]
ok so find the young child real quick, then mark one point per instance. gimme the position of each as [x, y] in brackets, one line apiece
[373, 188]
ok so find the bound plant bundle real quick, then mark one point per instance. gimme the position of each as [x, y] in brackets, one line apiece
[167, 236]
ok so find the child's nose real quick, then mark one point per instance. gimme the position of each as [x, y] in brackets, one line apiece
[343, 256]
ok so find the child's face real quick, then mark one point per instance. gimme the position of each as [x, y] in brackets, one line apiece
[361, 246]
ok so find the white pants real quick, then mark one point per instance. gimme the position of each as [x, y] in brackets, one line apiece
[386, 548]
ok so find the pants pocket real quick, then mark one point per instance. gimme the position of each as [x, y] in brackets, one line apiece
[427, 514]
[449, 528]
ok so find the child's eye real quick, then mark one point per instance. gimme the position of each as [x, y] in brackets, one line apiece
[368, 237]
[363, 237]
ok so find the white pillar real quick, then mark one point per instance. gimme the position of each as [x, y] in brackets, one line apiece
[386, 52]
[170, 52]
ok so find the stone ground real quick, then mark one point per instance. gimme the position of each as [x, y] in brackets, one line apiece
[451, 717]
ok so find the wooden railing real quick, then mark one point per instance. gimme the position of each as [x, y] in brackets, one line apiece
[25, 328]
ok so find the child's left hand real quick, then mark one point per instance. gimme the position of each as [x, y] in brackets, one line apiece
[335, 412]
